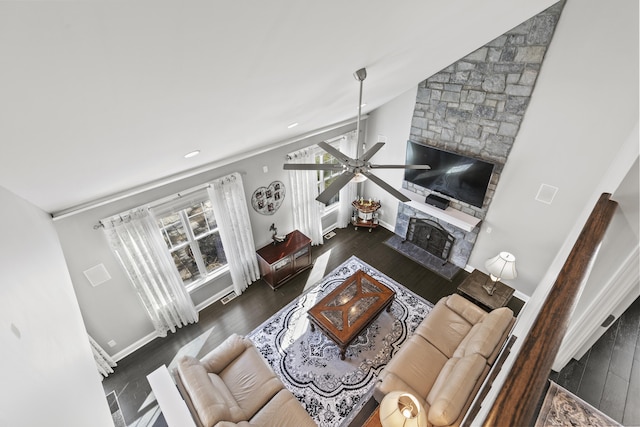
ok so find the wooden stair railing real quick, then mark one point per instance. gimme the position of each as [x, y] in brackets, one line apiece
[517, 400]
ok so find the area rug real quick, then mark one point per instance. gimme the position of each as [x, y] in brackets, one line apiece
[422, 257]
[563, 408]
[333, 391]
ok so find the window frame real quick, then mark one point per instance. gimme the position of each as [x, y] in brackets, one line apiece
[180, 209]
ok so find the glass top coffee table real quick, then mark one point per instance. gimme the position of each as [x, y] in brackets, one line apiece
[350, 308]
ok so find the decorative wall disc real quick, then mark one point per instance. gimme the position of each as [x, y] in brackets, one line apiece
[267, 200]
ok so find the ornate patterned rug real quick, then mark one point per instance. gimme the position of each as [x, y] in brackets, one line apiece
[563, 408]
[333, 391]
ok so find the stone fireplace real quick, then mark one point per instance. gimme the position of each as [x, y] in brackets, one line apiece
[430, 236]
[461, 241]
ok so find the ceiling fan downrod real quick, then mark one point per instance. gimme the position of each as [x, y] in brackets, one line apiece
[359, 75]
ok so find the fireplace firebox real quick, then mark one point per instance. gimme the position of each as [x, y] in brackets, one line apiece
[430, 236]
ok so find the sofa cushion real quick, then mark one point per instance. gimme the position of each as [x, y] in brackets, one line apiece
[453, 388]
[283, 410]
[449, 322]
[420, 372]
[251, 382]
[487, 335]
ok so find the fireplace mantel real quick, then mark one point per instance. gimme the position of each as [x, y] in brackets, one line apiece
[452, 216]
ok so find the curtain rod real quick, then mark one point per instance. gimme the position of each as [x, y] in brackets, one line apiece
[155, 203]
[191, 173]
[176, 196]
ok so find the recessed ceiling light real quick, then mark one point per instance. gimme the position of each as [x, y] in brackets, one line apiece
[292, 125]
[192, 154]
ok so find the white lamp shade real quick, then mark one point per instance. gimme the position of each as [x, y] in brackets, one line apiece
[402, 409]
[502, 266]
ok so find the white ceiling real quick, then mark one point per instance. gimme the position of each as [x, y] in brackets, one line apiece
[100, 96]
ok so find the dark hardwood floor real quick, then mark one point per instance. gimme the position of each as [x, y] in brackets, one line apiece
[608, 375]
[259, 302]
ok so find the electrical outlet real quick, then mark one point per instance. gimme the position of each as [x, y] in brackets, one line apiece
[265, 169]
[112, 343]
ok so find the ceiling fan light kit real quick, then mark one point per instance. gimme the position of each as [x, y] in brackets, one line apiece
[356, 169]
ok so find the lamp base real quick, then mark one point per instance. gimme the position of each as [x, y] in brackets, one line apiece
[489, 287]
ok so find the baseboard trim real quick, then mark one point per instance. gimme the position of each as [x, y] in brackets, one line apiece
[215, 297]
[135, 346]
[153, 335]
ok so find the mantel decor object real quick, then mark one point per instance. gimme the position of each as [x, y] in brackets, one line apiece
[501, 266]
[275, 236]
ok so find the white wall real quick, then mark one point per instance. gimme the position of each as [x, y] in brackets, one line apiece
[48, 374]
[392, 122]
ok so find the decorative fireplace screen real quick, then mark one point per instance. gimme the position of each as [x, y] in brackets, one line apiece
[430, 236]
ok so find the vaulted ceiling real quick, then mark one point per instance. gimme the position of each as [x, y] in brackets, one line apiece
[100, 96]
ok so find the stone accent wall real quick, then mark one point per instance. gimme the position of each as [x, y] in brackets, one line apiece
[476, 105]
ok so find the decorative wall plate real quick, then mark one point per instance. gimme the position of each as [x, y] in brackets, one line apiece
[267, 200]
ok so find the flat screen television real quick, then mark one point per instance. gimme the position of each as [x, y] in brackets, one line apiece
[460, 177]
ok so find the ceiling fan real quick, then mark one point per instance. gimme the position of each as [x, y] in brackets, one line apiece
[358, 167]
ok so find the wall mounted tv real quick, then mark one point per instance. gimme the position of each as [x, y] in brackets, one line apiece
[460, 177]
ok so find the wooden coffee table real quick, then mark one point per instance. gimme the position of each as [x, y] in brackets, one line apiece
[350, 308]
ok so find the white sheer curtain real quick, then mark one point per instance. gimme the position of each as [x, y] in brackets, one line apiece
[307, 211]
[137, 243]
[104, 362]
[232, 216]
[348, 193]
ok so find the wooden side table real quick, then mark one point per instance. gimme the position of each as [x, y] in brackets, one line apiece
[472, 288]
[282, 261]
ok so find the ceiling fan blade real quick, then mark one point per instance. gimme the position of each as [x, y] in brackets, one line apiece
[400, 167]
[312, 166]
[335, 186]
[371, 151]
[341, 157]
[395, 193]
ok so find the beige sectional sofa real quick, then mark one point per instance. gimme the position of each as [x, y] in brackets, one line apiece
[445, 361]
[233, 386]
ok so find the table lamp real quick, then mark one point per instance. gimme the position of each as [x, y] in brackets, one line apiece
[402, 409]
[501, 266]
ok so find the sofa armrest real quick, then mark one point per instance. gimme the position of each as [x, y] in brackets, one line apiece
[455, 388]
[465, 308]
[220, 357]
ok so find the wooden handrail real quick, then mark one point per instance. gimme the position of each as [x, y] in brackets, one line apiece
[517, 400]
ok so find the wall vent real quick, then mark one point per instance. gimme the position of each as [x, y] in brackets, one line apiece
[546, 193]
[225, 299]
[97, 275]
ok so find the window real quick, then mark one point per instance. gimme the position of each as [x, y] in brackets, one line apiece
[192, 238]
[325, 178]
